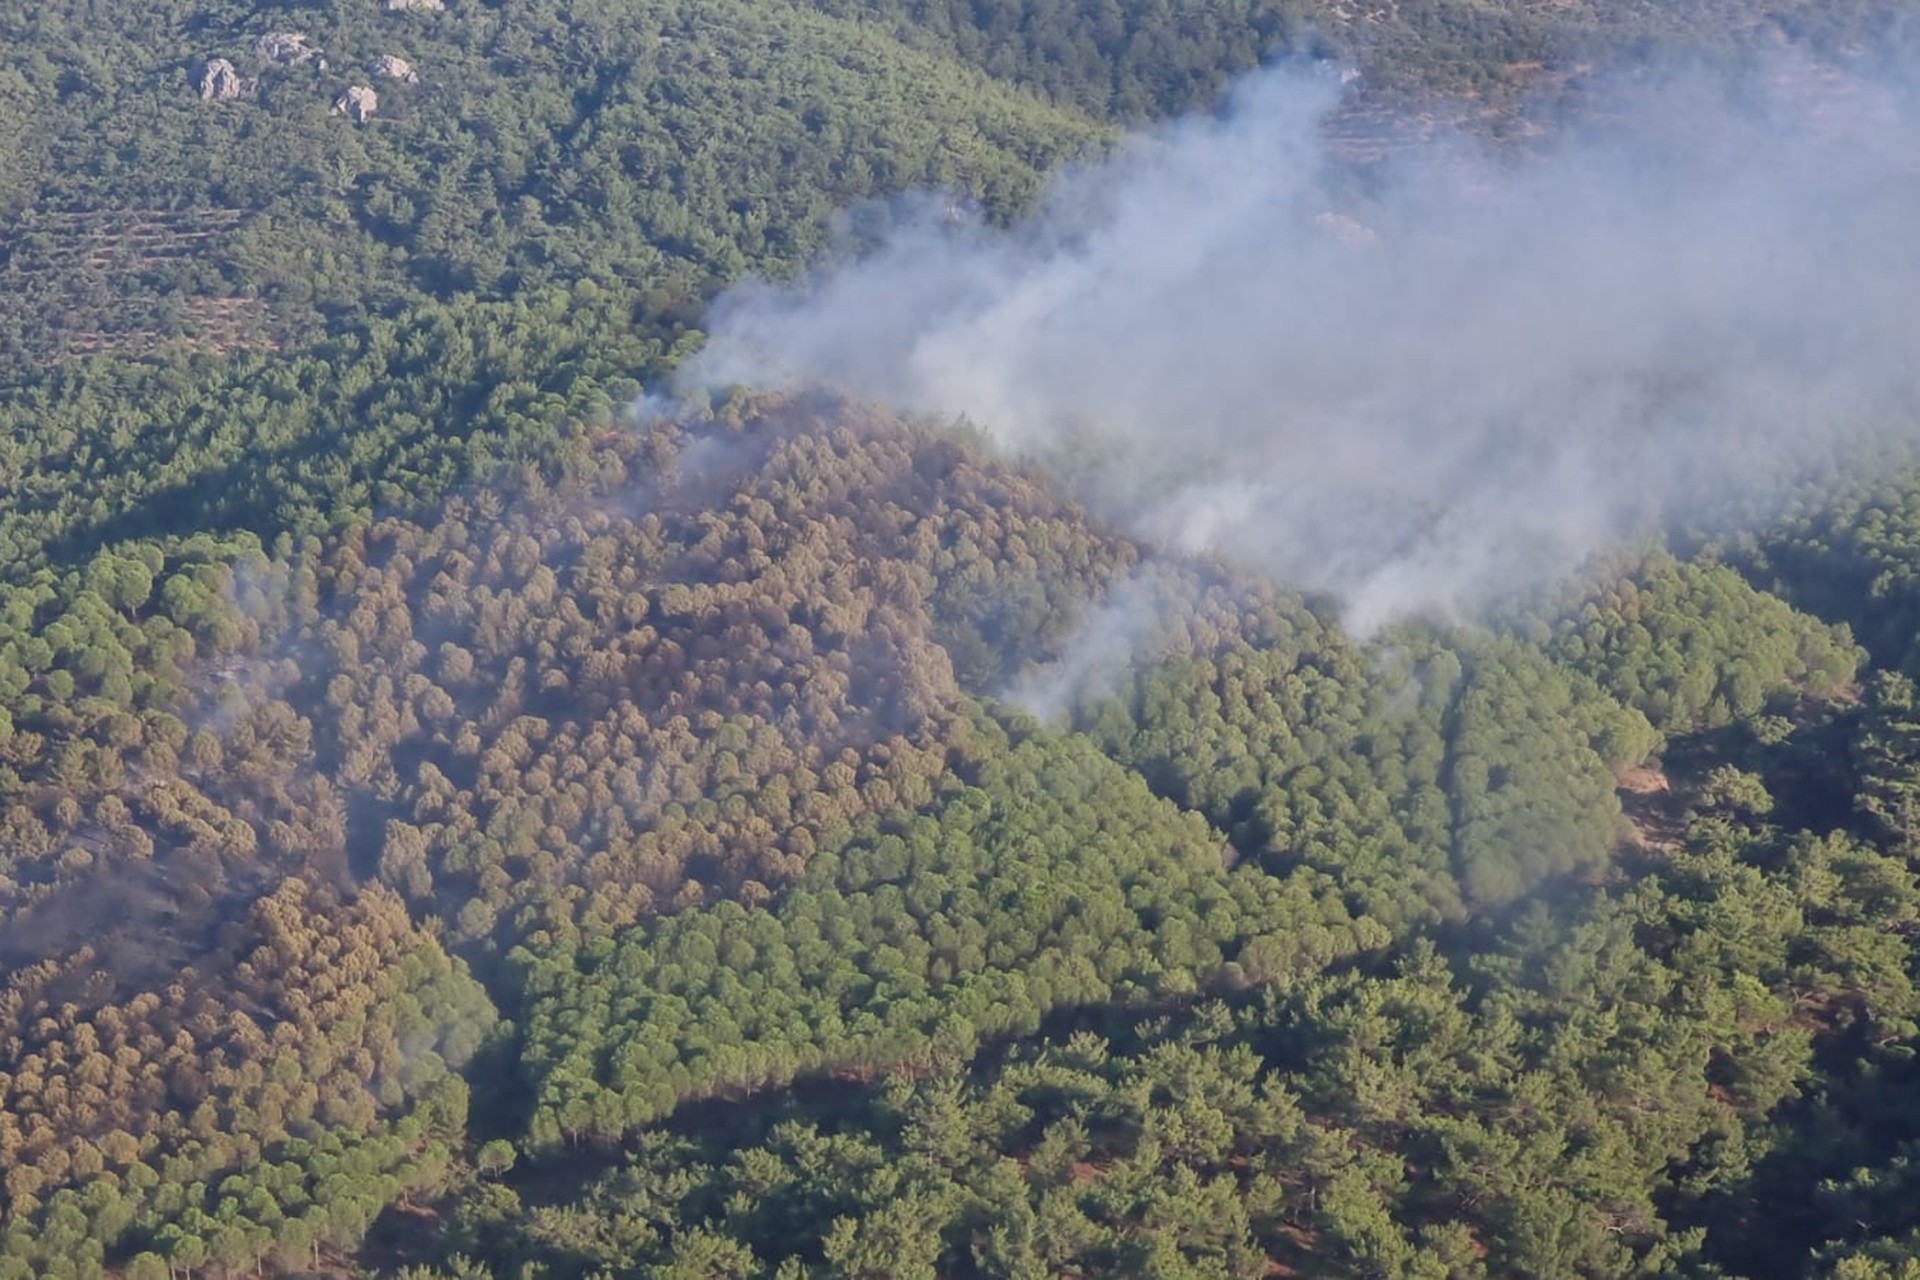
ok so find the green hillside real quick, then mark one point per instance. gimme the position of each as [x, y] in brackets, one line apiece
[809, 956]
[649, 148]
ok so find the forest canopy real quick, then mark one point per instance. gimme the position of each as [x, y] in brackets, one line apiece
[455, 824]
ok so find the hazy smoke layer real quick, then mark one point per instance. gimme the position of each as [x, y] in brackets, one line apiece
[1418, 391]
[1105, 644]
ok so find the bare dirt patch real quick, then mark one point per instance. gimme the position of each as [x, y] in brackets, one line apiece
[1647, 797]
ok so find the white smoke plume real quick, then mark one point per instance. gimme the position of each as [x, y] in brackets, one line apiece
[1421, 389]
[1104, 645]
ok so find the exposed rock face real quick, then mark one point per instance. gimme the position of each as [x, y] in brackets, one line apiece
[289, 49]
[357, 104]
[417, 6]
[219, 82]
[395, 68]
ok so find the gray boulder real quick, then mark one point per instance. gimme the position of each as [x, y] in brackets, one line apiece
[416, 6]
[357, 104]
[395, 68]
[288, 49]
[218, 81]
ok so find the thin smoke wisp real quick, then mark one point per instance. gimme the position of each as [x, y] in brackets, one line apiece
[1419, 391]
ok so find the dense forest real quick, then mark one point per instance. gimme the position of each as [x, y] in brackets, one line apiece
[457, 825]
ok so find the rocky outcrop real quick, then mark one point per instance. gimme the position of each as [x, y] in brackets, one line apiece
[357, 104]
[395, 68]
[219, 81]
[417, 6]
[288, 49]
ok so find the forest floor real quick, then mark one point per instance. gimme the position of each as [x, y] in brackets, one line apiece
[1657, 813]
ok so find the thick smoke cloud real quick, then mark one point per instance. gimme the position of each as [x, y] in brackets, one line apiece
[1422, 387]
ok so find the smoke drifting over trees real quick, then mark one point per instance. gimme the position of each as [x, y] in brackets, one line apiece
[1418, 387]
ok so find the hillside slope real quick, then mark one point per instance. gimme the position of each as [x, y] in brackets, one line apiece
[454, 824]
[699, 762]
